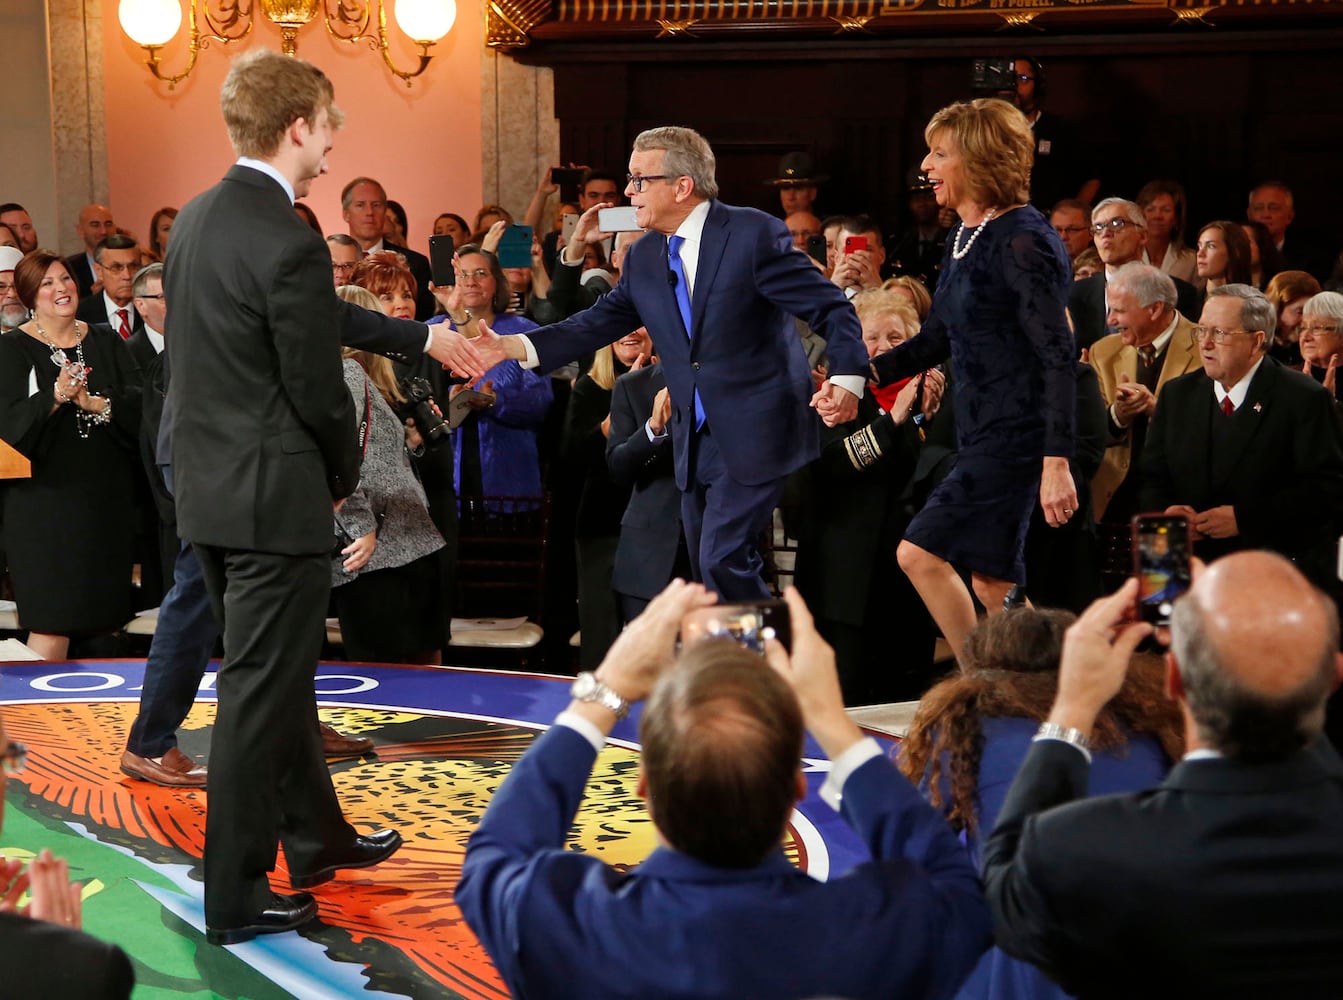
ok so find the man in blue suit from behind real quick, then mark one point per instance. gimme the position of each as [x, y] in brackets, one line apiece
[711, 912]
[737, 372]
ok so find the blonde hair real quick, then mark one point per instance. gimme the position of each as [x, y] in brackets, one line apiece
[996, 144]
[603, 370]
[265, 92]
[379, 369]
[918, 292]
[883, 302]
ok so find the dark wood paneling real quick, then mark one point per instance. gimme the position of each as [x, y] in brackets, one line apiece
[1218, 120]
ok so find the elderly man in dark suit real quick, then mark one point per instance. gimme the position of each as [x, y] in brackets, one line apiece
[1223, 881]
[705, 914]
[116, 261]
[1250, 451]
[715, 288]
[264, 444]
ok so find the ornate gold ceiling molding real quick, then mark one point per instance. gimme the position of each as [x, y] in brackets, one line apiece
[513, 23]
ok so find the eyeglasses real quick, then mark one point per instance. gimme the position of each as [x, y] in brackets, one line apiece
[1319, 330]
[120, 268]
[15, 758]
[479, 274]
[342, 268]
[158, 296]
[1069, 230]
[1117, 225]
[639, 180]
[1216, 333]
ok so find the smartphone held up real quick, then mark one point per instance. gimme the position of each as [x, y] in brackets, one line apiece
[749, 625]
[1161, 562]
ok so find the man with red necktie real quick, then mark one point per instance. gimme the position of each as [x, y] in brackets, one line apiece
[115, 262]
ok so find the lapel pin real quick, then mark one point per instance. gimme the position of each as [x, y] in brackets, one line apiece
[1258, 407]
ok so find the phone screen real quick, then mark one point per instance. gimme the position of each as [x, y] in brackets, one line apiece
[748, 625]
[515, 247]
[621, 219]
[441, 270]
[1161, 564]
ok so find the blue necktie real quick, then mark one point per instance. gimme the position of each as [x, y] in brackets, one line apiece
[683, 303]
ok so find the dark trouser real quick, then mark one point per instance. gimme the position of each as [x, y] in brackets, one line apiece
[179, 654]
[598, 609]
[723, 519]
[269, 782]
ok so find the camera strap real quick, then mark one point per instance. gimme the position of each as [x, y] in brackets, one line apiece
[364, 424]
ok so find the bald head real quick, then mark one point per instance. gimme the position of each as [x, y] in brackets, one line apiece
[802, 226]
[1257, 649]
[95, 225]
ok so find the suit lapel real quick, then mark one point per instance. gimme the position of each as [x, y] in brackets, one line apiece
[1245, 424]
[713, 240]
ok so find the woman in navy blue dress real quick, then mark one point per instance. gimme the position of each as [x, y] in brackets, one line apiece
[999, 315]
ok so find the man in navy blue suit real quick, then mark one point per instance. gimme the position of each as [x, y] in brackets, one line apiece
[717, 290]
[710, 913]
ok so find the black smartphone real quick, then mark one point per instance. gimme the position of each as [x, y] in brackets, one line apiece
[441, 249]
[515, 246]
[816, 248]
[565, 175]
[747, 624]
[1161, 563]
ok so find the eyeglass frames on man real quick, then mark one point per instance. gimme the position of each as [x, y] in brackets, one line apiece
[639, 180]
[1115, 225]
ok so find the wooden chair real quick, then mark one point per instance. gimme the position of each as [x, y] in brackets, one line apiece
[501, 575]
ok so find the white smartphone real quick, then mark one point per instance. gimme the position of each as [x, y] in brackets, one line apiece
[618, 220]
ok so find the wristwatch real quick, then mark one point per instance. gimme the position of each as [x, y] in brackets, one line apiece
[586, 687]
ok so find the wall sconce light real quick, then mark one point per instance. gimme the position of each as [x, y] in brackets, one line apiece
[151, 24]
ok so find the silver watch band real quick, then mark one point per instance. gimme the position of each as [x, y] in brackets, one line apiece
[1053, 731]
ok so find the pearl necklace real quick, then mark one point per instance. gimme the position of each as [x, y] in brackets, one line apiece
[84, 420]
[957, 251]
[58, 355]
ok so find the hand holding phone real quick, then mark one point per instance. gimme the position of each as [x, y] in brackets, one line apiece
[1161, 562]
[749, 625]
[441, 267]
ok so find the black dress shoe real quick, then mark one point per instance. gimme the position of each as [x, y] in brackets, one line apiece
[285, 913]
[365, 852]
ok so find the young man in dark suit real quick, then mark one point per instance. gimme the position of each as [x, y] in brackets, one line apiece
[264, 445]
[1224, 880]
[715, 287]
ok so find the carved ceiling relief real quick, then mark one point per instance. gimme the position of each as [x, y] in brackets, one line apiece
[515, 23]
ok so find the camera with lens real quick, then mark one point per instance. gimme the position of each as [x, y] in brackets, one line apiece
[991, 77]
[419, 406]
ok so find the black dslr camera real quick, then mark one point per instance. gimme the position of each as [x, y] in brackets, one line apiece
[419, 405]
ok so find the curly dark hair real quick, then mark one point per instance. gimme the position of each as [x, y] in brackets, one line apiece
[1009, 669]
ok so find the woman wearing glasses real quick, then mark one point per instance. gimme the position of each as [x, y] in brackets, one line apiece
[496, 445]
[1321, 339]
[998, 313]
[70, 403]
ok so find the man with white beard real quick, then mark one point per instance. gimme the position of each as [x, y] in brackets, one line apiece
[12, 311]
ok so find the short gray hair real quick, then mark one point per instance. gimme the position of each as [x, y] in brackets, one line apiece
[1231, 717]
[141, 281]
[342, 240]
[1131, 209]
[1328, 305]
[1256, 312]
[687, 154]
[1150, 284]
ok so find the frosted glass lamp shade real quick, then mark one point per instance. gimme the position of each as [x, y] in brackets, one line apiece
[150, 22]
[425, 20]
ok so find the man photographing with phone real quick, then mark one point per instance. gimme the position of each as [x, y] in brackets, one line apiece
[1224, 880]
[715, 287]
[721, 743]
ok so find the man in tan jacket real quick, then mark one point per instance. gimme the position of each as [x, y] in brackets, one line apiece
[1151, 344]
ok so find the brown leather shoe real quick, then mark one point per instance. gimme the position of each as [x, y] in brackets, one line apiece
[177, 770]
[336, 744]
